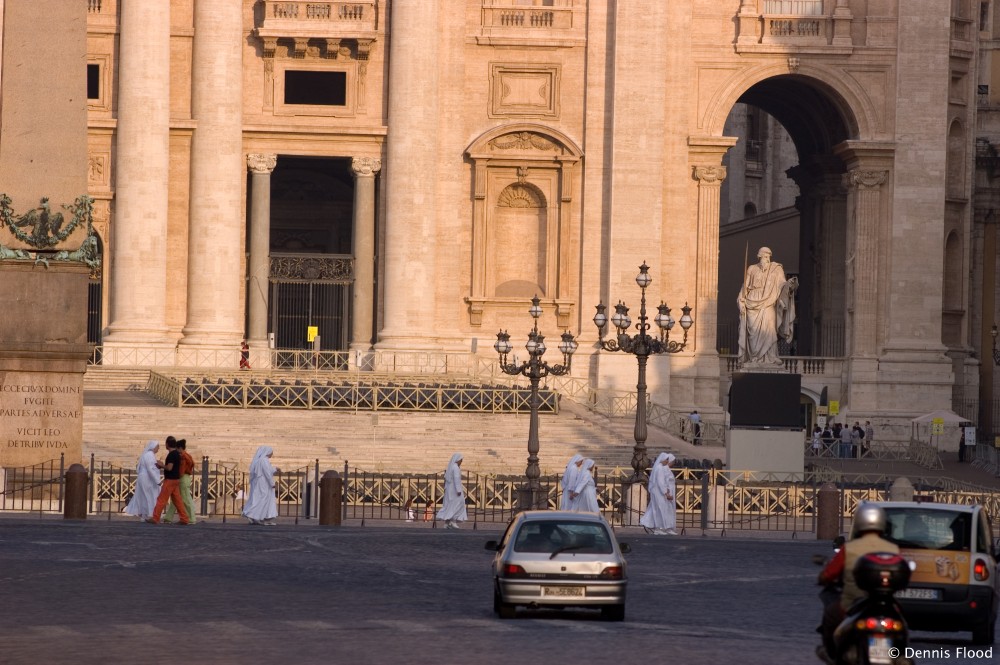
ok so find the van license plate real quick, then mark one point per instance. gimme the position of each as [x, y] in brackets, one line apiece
[563, 591]
[919, 594]
[878, 650]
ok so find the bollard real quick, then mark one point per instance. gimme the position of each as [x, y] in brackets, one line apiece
[901, 490]
[75, 503]
[827, 512]
[331, 489]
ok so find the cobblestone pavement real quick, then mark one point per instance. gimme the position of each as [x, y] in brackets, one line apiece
[127, 592]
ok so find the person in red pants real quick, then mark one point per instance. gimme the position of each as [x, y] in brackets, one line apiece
[171, 487]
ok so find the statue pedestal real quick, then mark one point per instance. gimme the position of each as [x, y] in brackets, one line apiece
[766, 451]
[43, 356]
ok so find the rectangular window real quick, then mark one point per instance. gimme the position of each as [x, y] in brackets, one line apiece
[316, 88]
[984, 16]
[93, 81]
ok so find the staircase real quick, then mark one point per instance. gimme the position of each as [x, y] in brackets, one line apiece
[115, 378]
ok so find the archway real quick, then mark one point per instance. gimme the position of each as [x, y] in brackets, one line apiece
[784, 170]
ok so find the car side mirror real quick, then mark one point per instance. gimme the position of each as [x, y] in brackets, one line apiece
[625, 548]
[492, 545]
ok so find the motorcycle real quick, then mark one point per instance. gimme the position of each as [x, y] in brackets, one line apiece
[874, 632]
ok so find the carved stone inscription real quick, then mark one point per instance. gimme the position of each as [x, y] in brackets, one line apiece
[41, 417]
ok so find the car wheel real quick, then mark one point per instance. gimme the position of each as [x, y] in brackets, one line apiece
[613, 613]
[985, 633]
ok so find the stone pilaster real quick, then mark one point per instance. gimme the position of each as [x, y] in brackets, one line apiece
[410, 266]
[139, 229]
[362, 314]
[865, 191]
[707, 289]
[215, 246]
[258, 271]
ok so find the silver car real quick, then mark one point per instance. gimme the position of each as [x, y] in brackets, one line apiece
[559, 559]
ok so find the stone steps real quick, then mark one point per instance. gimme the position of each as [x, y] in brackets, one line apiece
[115, 378]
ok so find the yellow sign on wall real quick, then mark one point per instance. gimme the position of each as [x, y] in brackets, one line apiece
[834, 407]
[311, 333]
[937, 426]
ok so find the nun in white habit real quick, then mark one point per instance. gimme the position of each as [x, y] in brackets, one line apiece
[453, 504]
[661, 511]
[569, 480]
[261, 506]
[147, 483]
[584, 496]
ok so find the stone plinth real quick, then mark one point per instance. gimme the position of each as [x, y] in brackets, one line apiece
[43, 356]
[765, 450]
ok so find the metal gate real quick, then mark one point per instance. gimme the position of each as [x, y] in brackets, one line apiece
[94, 322]
[312, 290]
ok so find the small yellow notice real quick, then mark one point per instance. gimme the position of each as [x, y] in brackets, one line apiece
[311, 333]
[834, 407]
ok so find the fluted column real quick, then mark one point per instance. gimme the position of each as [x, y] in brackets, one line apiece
[707, 289]
[865, 191]
[215, 250]
[363, 240]
[410, 266]
[139, 231]
[260, 166]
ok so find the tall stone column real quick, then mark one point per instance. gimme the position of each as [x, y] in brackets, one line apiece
[410, 266]
[865, 193]
[831, 258]
[260, 246]
[139, 231]
[215, 247]
[706, 301]
[363, 239]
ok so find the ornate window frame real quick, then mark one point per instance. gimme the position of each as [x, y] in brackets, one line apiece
[532, 155]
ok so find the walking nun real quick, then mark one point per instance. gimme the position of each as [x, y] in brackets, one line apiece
[583, 499]
[453, 505]
[661, 512]
[569, 478]
[147, 483]
[262, 503]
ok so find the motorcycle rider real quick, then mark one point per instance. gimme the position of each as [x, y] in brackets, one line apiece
[870, 524]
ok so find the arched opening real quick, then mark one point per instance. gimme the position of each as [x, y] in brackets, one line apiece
[784, 163]
[956, 161]
[518, 246]
[951, 301]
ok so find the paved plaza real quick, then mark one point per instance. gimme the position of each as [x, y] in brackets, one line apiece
[125, 592]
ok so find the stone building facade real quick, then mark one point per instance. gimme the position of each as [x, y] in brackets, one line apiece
[406, 175]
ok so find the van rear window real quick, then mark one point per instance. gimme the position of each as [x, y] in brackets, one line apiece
[916, 528]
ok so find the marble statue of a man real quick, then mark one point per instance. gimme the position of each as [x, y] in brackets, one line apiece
[767, 311]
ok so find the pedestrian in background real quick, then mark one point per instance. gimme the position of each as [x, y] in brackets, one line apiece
[453, 505]
[695, 427]
[170, 489]
[244, 355]
[817, 444]
[583, 498]
[869, 433]
[569, 480]
[147, 483]
[961, 446]
[846, 449]
[661, 510]
[262, 504]
[187, 479]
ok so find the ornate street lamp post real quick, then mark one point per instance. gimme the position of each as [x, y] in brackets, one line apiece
[535, 369]
[642, 345]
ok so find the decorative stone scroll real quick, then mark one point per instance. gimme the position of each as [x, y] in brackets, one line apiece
[366, 166]
[330, 269]
[261, 163]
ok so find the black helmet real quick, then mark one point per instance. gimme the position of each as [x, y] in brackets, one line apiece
[869, 517]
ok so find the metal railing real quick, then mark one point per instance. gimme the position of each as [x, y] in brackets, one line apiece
[707, 499]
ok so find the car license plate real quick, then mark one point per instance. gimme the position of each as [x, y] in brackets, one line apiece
[878, 650]
[563, 591]
[919, 594]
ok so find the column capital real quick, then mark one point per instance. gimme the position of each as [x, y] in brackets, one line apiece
[710, 175]
[261, 163]
[365, 166]
[866, 179]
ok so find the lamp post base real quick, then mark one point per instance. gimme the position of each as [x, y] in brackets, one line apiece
[530, 498]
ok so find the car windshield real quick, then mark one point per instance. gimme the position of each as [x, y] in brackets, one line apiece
[917, 528]
[552, 536]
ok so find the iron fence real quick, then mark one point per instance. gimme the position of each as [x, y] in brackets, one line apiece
[707, 499]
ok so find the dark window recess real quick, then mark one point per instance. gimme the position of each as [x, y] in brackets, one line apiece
[316, 88]
[93, 81]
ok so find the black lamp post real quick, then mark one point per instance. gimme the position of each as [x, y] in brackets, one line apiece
[642, 345]
[535, 369]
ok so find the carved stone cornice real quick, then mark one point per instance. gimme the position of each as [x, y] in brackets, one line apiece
[365, 166]
[710, 175]
[261, 163]
[863, 179]
[522, 141]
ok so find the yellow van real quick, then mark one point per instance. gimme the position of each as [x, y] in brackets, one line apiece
[955, 585]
